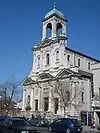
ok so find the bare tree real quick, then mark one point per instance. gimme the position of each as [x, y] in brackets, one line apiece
[13, 89]
[67, 96]
[9, 94]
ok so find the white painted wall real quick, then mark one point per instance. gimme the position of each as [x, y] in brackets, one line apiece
[96, 76]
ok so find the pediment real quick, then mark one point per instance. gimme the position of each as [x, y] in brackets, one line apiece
[85, 74]
[28, 80]
[45, 42]
[65, 72]
[44, 76]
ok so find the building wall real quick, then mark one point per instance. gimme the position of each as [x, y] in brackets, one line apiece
[96, 76]
[63, 62]
[96, 101]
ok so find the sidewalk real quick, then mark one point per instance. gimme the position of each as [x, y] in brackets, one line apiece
[88, 128]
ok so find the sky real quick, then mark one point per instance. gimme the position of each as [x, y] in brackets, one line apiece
[21, 28]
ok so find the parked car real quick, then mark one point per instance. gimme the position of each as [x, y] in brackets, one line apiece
[2, 118]
[66, 125]
[77, 126]
[39, 122]
[15, 125]
[20, 117]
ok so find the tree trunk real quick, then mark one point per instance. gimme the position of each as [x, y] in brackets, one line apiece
[64, 111]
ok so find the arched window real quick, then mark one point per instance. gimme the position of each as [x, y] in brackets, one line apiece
[47, 59]
[68, 96]
[28, 107]
[88, 65]
[57, 55]
[28, 99]
[48, 30]
[68, 58]
[38, 60]
[79, 62]
[59, 29]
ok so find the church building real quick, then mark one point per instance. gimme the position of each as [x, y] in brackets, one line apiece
[56, 66]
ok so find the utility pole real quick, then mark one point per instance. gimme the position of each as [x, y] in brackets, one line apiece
[5, 103]
[5, 95]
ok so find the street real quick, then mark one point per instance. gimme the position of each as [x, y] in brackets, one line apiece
[85, 130]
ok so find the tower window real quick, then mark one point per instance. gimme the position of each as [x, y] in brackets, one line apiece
[88, 65]
[68, 58]
[47, 59]
[57, 55]
[59, 29]
[49, 30]
[79, 62]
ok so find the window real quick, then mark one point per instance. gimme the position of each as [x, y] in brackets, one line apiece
[59, 29]
[36, 104]
[47, 59]
[68, 58]
[57, 55]
[38, 60]
[58, 121]
[28, 99]
[82, 96]
[79, 62]
[88, 65]
[68, 96]
[49, 30]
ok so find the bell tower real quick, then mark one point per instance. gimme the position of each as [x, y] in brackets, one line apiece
[54, 24]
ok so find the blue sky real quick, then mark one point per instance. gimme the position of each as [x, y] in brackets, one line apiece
[21, 28]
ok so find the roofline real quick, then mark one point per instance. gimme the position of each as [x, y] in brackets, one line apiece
[82, 54]
[54, 14]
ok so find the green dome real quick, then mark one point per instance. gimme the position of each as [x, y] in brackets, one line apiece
[54, 11]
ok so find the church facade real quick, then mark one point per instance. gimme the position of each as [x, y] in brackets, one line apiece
[54, 62]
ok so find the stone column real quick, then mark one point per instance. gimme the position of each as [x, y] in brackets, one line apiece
[42, 102]
[64, 29]
[51, 59]
[44, 32]
[61, 55]
[50, 99]
[32, 98]
[54, 28]
[24, 99]
[41, 61]
[34, 63]
[40, 98]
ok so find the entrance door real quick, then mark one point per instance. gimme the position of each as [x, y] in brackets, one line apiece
[46, 101]
[36, 104]
[98, 113]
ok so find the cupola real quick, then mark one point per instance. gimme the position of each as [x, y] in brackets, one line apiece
[54, 24]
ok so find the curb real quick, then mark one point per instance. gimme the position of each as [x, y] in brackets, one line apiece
[88, 128]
